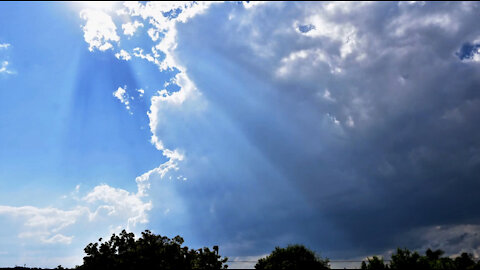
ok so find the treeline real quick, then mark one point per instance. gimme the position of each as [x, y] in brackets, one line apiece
[434, 260]
[151, 251]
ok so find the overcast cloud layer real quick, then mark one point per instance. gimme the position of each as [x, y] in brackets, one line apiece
[351, 128]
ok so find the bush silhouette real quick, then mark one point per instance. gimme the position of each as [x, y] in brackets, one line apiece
[292, 257]
[150, 251]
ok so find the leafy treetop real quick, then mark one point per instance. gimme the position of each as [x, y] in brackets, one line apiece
[292, 257]
[150, 251]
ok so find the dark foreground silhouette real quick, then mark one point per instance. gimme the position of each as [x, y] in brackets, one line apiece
[406, 259]
[152, 251]
[292, 257]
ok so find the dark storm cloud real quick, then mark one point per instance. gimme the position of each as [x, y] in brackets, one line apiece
[391, 150]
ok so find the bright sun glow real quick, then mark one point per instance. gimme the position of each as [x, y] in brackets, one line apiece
[97, 5]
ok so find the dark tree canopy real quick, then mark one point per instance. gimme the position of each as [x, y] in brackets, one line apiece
[374, 263]
[292, 257]
[150, 251]
[432, 260]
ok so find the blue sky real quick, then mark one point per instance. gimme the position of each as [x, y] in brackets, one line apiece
[240, 125]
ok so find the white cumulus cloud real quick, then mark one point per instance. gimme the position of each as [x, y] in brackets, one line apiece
[124, 55]
[120, 202]
[130, 28]
[99, 29]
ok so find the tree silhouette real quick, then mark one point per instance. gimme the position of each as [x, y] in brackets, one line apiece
[292, 257]
[374, 263]
[150, 251]
[465, 261]
[433, 260]
[405, 259]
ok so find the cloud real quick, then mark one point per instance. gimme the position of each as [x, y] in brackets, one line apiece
[59, 238]
[138, 52]
[143, 181]
[252, 4]
[166, 107]
[4, 68]
[130, 28]
[4, 63]
[163, 18]
[327, 95]
[333, 126]
[453, 239]
[122, 95]
[44, 223]
[124, 55]
[120, 202]
[342, 167]
[104, 206]
[99, 29]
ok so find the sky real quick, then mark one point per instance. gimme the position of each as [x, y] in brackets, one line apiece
[351, 128]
